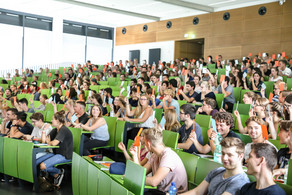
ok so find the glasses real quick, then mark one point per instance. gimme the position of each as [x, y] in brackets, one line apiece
[143, 99]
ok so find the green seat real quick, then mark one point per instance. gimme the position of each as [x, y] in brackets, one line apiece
[24, 159]
[289, 84]
[76, 133]
[35, 103]
[4, 86]
[104, 184]
[205, 135]
[204, 166]
[278, 144]
[219, 99]
[158, 114]
[211, 66]
[170, 138]
[49, 107]
[46, 92]
[103, 82]
[190, 162]
[242, 108]
[28, 115]
[244, 138]
[10, 157]
[269, 87]
[94, 87]
[135, 178]
[49, 116]
[203, 120]
[61, 106]
[117, 188]
[243, 120]
[75, 173]
[286, 188]
[1, 154]
[92, 181]
[83, 176]
[242, 93]
[181, 102]
[237, 91]
[119, 136]
[289, 175]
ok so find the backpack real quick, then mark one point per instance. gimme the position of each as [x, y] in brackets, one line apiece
[45, 185]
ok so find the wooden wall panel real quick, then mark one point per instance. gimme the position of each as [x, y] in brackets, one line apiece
[287, 20]
[262, 37]
[255, 49]
[226, 40]
[262, 23]
[272, 10]
[226, 28]
[286, 46]
[235, 15]
[226, 52]
[286, 34]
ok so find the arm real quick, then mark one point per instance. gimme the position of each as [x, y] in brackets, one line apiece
[52, 143]
[100, 122]
[226, 93]
[202, 189]
[202, 149]
[147, 114]
[191, 99]
[273, 132]
[160, 174]
[185, 145]
[15, 133]
[241, 129]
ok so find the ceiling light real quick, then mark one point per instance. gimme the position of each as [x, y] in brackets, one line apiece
[186, 35]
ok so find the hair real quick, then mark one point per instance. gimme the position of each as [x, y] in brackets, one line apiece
[45, 96]
[206, 84]
[21, 115]
[154, 135]
[225, 117]
[262, 101]
[228, 142]
[251, 94]
[256, 119]
[169, 92]
[191, 83]
[276, 107]
[60, 116]
[147, 86]
[37, 116]
[44, 85]
[284, 62]
[178, 81]
[108, 90]
[81, 103]
[134, 80]
[13, 110]
[173, 82]
[171, 121]
[166, 83]
[211, 102]
[139, 110]
[23, 101]
[100, 110]
[72, 93]
[268, 152]
[189, 109]
[98, 98]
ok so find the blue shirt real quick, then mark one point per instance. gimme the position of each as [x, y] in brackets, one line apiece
[157, 102]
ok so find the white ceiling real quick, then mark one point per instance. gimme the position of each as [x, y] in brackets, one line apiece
[94, 11]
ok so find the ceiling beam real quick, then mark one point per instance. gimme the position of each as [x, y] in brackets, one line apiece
[189, 5]
[108, 9]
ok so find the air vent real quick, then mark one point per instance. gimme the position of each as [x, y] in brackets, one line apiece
[226, 16]
[124, 30]
[145, 28]
[196, 20]
[168, 24]
[262, 11]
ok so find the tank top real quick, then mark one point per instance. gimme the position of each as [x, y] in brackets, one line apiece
[101, 133]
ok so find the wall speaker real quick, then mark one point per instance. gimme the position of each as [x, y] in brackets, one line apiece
[262, 11]
[124, 30]
[168, 24]
[196, 20]
[226, 16]
[145, 28]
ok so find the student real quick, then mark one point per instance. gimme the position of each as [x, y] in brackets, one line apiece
[43, 101]
[79, 109]
[22, 106]
[208, 107]
[187, 114]
[171, 122]
[283, 70]
[153, 102]
[255, 133]
[118, 108]
[229, 178]
[191, 94]
[98, 125]
[226, 89]
[134, 99]
[224, 124]
[261, 162]
[8, 120]
[60, 136]
[33, 91]
[287, 107]
[165, 165]
[205, 93]
[20, 126]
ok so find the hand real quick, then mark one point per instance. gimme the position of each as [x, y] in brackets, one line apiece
[122, 146]
[155, 121]
[112, 106]
[180, 91]
[269, 120]
[126, 119]
[200, 109]
[164, 99]
[126, 100]
[277, 172]
[134, 151]
[251, 113]
[193, 136]
[263, 92]
[48, 139]
[237, 115]
[153, 98]
[222, 110]
[213, 135]
[31, 100]
[53, 103]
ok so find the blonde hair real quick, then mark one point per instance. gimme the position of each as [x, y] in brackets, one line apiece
[169, 92]
[171, 122]
[252, 95]
[206, 84]
[178, 82]
[278, 83]
[44, 85]
[262, 101]
[254, 119]
[154, 135]
[139, 110]
[233, 141]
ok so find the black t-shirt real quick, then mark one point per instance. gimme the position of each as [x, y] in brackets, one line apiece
[133, 103]
[185, 133]
[232, 134]
[283, 157]
[83, 119]
[198, 98]
[26, 129]
[250, 188]
[65, 137]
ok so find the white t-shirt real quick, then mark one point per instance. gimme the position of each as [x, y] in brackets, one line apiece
[37, 132]
[286, 72]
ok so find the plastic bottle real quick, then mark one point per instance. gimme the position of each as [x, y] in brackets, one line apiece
[286, 173]
[172, 189]
[217, 152]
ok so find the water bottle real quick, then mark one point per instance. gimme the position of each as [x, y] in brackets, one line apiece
[172, 189]
[217, 152]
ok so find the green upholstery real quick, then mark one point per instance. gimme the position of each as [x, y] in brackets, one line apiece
[75, 173]
[60, 106]
[103, 82]
[76, 133]
[28, 115]
[111, 123]
[49, 116]
[204, 166]
[242, 108]
[119, 137]
[277, 144]
[245, 138]
[286, 188]
[10, 157]
[135, 178]
[237, 91]
[46, 92]
[243, 119]
[1, 154]
[24, 160]
[4, 86]
[203, 120]
[92, 181]
[269, 87]
[94, 87]
[190, 162]
[158, 114]
[211, 66]
[289, 83]
[219, 99]
[116, 188]
[170, 138]
[104, 184]
[205, 135]
[26, 96]
[36, 104]
[289, 176]
[130, 143]
[83, 176]
[181, 102]
[49, 107]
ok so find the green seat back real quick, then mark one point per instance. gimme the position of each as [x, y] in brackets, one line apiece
[211, 66]
[170, 138]
[94, 87]
[36, 104]
[104, 184]
[92, 181]
[243, 120]
[242, 108]
[28, 115]
[103, 82]
[190, 162]
[205, 135]
[24, 159]
[117, 188]
[49, 116]
[135, 178]
[4, 86]
[237, 91]
[219, 99]
[75, 173]
[46, 92]
[83, 176]
[203, 120]
[111, 123]
[269, 87]
[204, 166]
[1, 154]
[289, 175]
[245, 138]
[277, 144]
[289, 84]
[76, 133]
[181, 102]
[60, 106]
[286, 188]
[119, 137]
[10, 157]
[49, 107]
[158, 114]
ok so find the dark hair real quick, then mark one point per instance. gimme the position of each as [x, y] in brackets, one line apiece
[147, 86]
[60, 116]
[13, 110]
[23, 101]
[98, 98]
[166, 83]
[173, 82]
[191, 83]
[189, 109]
[21, 115]
[108, 90]
[72, 93]
[228, 142]
[225, 117]
[211, 102]
[286, 125]
[134, 80]
[45, 96]
[81, 103]
[227, 79]
[268, 152]
[284, 62]
[53, 83]
[37, 116]
[149, 91]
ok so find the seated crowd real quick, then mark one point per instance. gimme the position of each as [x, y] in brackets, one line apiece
[183, 90]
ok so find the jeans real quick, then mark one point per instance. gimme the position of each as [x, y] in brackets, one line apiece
[50, 160]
